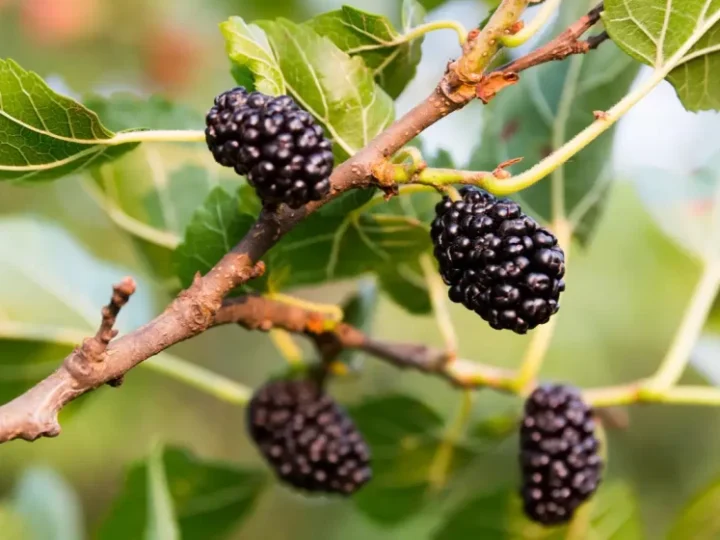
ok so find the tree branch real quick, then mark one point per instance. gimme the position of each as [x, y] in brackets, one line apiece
[34, 414]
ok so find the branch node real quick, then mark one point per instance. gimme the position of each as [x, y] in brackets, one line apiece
[491, 84]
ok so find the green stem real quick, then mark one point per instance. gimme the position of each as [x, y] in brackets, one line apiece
[423, 29]
[687, 335]
[198, 377]
[440, 466]
[169, 135]
[543, 15]
[438, 298]
[633, 393]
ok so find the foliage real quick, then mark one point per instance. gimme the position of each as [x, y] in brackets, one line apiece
[139, 159]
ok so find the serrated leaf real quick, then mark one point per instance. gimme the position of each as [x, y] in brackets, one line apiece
[252, 58]
[392, 59]
[322, 248]
[45, 266]
[213, 231]
[49, 506]
[699, 520]
[153, 192]
[208, 499]
[338, 90]
[405, 438]
[359, 311]
[550, 105]
[681, 39]
[44, 135]
[499, 516]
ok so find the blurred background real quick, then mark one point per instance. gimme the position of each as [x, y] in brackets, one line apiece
[627, 289]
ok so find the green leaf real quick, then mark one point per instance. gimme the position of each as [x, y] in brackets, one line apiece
[44, 135]
[153, 192]
[549, 106]
[207, 499]
[51, 293]
[213, 231]
[680, 40]
[405, 439]
[335, 88]
[392, 58]
[359, 311]
[161, 521]
[699, 520]
[253, 59]
[49, 506]
[406, 286]
[499, 516]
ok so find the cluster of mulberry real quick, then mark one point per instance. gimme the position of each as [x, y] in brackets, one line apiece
[498, 261]
[559, 456]
[279, 146]
[308, 440]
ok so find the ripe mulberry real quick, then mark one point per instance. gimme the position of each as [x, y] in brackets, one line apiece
[310, 442]
[561, 467]
[498, 261]
[279, 146]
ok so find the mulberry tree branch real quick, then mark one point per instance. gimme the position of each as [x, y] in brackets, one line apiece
[34, 414]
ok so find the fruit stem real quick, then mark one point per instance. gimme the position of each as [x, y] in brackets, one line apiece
[442, 460]
[167, 135]
[331, 310]
[672, 367]
[542, 338]
[287, 347]
[438, 298]
[543, 15]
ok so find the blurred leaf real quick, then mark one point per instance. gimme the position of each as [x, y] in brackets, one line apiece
[208, 499]
[251, 55]
[685, 40]
[686, 206]
[405, 285]
[49, 506]
[700, 519]
[713, 323]
[213, 231]
[12, 525]
[550, 105]
[51, 293]
[392, 59]
[123, 110]
[44, 135]
[405, 439]
[499, 516]
[338, 90]
[359, 311]
[152, 192]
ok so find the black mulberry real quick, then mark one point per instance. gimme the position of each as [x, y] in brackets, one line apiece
[561, 467]
[498, 261]
[279, 146]
[310, 442]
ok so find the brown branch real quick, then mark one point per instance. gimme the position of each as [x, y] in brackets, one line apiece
[260, 313]
[564, 45]
[34, 414]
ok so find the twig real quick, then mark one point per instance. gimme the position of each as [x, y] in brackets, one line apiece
[564, 45]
